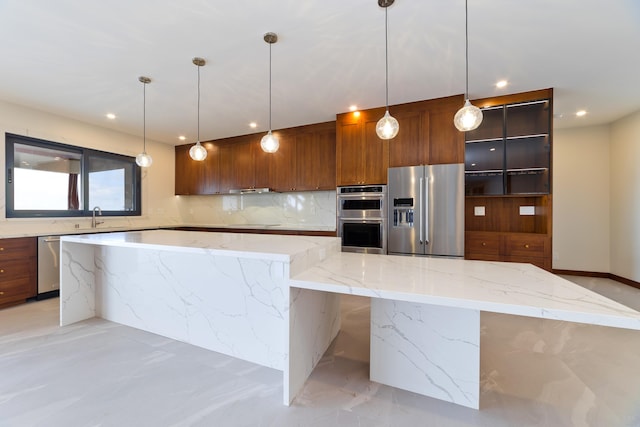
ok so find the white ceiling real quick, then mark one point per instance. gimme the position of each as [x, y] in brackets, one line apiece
[82, 58]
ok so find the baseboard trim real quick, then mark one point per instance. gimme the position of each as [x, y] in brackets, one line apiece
[582, 273]
[625, 280]
[617, 278]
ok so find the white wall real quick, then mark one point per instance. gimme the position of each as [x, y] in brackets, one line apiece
[625, 197]
[159, 206]
[581, 178]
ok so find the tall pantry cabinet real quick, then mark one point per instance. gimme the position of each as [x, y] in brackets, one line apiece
[508, 180]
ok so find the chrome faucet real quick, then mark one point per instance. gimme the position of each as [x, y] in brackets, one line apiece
[95, 223]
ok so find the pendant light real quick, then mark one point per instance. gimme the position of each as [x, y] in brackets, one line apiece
[269, 142]
[198, 152]
[387, 127]
[469, 116]
[143, 159]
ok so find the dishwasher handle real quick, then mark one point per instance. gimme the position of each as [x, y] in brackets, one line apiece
[51, 239]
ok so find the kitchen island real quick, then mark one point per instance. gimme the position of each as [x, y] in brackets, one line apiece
[225, 292]
[274, 300]
[425, 313]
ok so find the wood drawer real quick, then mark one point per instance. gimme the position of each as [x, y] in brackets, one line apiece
[16, 269]
[526, 245]
[18, 248]
[485, 245]
[537, 261]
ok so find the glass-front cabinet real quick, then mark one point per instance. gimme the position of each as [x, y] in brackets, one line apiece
[509, 153]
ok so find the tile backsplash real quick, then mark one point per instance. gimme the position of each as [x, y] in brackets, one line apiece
[303, 209]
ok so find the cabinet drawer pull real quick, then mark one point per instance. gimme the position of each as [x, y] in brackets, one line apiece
[1, 293]
[2, 270]
[484, 244]
[1, 249]
[526, 245]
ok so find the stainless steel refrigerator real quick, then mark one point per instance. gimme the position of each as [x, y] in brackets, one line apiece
[426, 210]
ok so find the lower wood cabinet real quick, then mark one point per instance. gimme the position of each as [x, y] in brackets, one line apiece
[18, 270]
[530, 248]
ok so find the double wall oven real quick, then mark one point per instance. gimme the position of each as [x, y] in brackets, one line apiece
[362, 218]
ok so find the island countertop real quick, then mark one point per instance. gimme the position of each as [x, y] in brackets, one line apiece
[272, 247]
[510, 288]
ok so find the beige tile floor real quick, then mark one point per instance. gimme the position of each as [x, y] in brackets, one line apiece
[97, 373]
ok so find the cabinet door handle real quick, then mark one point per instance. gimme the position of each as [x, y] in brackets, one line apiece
[1, 249]
[526, 245]
[1, 293]
[1, 270]
[484, 244]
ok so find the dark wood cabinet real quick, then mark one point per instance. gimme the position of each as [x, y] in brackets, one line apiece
[361, 157]
[508, 173]
[18, 270]
[304, 161]
[510, 153]
[510, 247]
[195, 177]
[427, 135]
[316, 158]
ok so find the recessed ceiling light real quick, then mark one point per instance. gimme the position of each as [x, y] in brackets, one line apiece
[182, 137]
[253, 125]
[501, 84]
[353, 108]
[581, 113]
[111, 116]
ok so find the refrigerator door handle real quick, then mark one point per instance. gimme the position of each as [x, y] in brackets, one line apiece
[420, 220]
[426, 210]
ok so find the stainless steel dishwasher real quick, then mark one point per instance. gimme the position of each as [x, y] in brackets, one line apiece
[48, 266]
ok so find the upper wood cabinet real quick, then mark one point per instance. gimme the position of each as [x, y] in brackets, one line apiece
[192, 177]
[427, 135]
[316, 157]
[361, 157]
[304, 161]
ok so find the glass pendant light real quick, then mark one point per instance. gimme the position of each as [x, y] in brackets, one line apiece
[469, 116]
[269, 142]
[198, 152]
[143, 159]
[387, 127]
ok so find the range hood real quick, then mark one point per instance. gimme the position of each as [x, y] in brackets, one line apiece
[249, 190]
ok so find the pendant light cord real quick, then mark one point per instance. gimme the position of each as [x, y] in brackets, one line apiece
[270, 87]
[144, 117]
[466, 47]
[198, 104]
[386, 57]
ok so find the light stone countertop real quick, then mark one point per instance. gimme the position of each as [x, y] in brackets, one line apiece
[34, 229]
[261, 246]
[511, 288]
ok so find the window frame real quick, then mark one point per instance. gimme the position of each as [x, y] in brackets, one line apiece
[85, 210]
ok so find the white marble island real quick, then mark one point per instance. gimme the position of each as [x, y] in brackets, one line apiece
[425, 313]
[274, 300]
[225, 292]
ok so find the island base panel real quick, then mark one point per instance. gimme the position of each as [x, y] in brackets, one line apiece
[427, 349]
[314, 322]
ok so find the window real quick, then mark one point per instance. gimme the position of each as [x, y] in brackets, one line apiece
[47, 179]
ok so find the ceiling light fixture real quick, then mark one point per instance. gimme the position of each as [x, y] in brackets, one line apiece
[143, 159]
[387, 127]
[501, 84]
[469, 116]
[198, 152]
[269, 142]
[581, 113]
